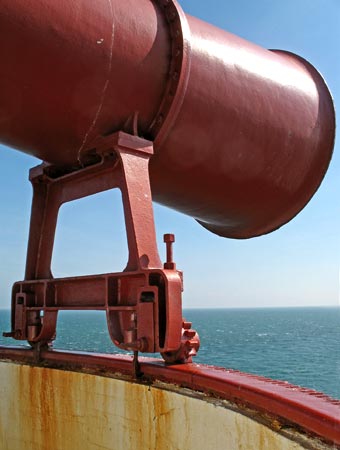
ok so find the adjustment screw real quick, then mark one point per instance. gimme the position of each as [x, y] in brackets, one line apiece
[169, 239]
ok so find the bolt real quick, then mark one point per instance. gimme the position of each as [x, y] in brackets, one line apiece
[175, 76]
[169, 239]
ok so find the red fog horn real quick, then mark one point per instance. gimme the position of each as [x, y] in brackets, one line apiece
[242, 135]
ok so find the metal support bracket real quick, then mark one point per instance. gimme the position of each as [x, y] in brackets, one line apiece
[143, 303]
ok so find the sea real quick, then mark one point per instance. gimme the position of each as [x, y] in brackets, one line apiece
[298, 345]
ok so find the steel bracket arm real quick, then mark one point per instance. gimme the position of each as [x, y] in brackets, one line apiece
[143, 303]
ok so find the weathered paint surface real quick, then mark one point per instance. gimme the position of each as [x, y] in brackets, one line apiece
[44, 408]
[234, 126]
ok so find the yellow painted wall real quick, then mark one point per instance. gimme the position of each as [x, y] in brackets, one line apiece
[49, 409]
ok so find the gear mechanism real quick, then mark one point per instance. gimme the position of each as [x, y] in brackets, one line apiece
[190, 343]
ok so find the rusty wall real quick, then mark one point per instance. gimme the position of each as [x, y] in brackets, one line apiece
[44, 408]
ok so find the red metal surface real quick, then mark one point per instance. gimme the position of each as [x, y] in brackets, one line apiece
[144, 302]
[242, 138]
[313, 411]
[190, 344]
[242, 135]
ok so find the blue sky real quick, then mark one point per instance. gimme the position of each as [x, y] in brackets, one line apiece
[297, 265]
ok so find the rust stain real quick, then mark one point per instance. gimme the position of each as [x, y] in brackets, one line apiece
[50, 409]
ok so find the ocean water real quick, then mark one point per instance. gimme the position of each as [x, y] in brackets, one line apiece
[298, 345]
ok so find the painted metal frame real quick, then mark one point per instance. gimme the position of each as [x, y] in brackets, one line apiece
[143, 303]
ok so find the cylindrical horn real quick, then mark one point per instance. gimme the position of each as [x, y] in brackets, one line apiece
[243, 136]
